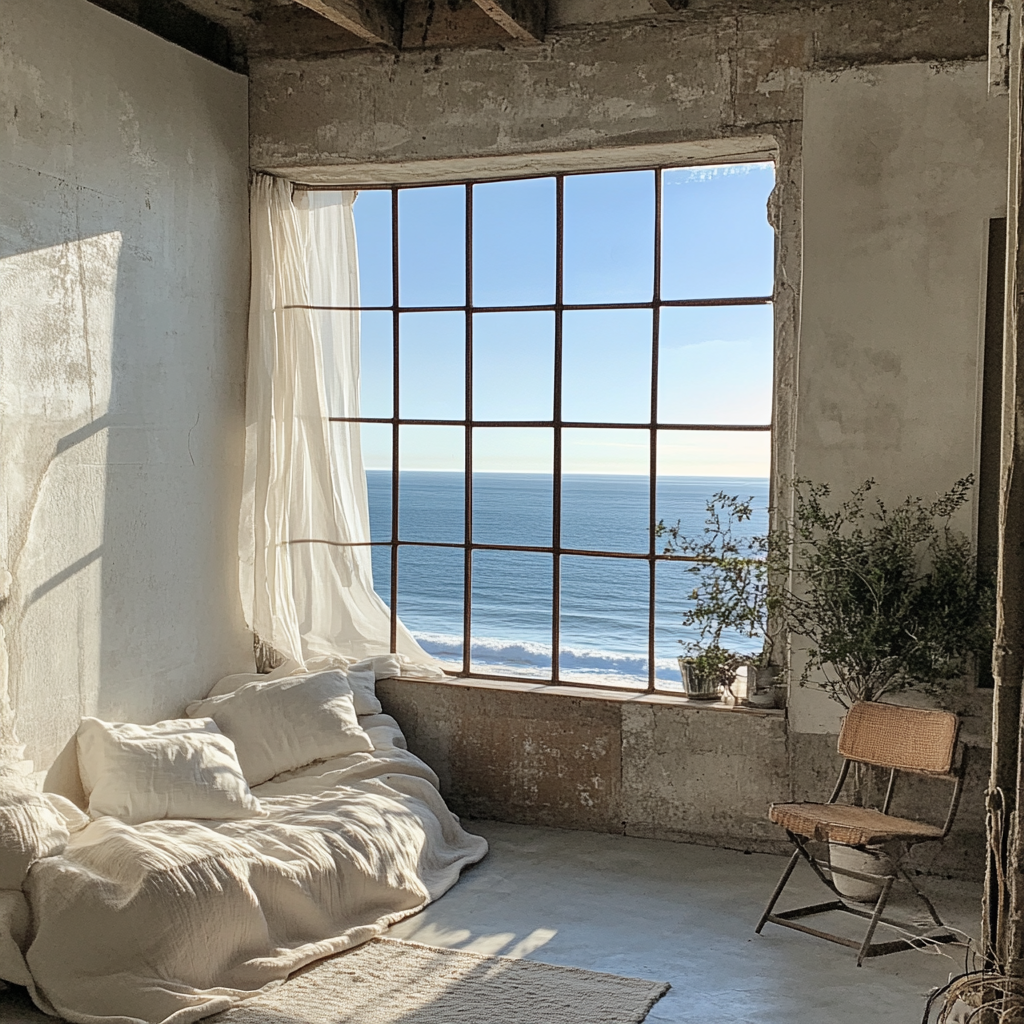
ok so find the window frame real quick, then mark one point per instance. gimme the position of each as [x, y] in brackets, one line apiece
[468, 423]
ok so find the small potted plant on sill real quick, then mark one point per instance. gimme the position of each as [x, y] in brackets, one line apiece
[887, 599]
[730, 593]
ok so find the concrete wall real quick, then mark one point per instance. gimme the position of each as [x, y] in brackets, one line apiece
[878, 331]
[643, 766]
[124, 287]
[903, 167]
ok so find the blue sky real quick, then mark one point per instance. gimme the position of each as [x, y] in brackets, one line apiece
[714, 363]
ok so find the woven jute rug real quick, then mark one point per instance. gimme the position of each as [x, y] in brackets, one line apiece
[387, 981]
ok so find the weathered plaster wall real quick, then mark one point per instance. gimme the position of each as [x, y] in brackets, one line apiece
[123, 284]
[705, 76]
[580, 760]
[902, 163]
[903, 167]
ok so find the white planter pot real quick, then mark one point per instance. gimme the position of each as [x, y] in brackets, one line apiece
[866, 861]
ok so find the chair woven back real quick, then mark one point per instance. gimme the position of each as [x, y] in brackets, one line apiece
[908, 739]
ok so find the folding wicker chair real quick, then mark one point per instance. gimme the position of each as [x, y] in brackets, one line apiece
[902, 740]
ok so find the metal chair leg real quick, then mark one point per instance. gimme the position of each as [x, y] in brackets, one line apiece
[883, 898]
[932, 912]
[778, 890]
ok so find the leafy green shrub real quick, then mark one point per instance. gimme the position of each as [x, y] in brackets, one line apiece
[887, 597]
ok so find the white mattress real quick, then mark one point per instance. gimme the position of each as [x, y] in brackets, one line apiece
[169, 921]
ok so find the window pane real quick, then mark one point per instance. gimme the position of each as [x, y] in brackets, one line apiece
[375, 441]
[716, 240]
[372, 212]
[432, 365]
[714, 453]
[431, 492]
[376, 364]
[514, 243]
[335, 327]
[606, 365]
[602, 450]
[382, 572]
[673, 586]
[609, 510]
[682, 503]
[513, 366]
[512, 485]
[512, 613]
[609, 237]
[604, 621]
[715, 365]
[432, 246]
[430, 588]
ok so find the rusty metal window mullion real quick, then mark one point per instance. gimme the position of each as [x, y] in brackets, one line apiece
[749, 300]
[653, 477]
[395, 474]
[467, 562]
[556, 418]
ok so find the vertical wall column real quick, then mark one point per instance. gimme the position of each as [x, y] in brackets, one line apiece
[1004, 894]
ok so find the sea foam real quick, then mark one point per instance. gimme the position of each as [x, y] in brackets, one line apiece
[533, 660]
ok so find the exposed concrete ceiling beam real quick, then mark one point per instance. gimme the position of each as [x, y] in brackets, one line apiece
[375, 21]
[521, 19]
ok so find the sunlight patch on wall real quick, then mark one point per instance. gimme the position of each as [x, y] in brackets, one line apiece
[56, 354]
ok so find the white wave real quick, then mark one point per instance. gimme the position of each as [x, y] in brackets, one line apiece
[534, 659]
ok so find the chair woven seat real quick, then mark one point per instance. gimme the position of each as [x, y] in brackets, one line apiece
[851, 826]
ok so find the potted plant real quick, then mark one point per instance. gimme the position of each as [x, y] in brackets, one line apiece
[730, 593]
[886, 597]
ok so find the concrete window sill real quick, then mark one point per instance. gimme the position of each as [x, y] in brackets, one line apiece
[614, 696]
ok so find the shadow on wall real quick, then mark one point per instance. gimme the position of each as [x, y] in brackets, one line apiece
[121, 428]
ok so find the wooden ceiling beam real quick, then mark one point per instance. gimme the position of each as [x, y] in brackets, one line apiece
[374, 21]
[521, 19]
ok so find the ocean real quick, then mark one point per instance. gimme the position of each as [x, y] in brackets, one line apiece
[604, 603]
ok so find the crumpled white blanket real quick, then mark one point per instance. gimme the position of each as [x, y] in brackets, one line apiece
[169, 921]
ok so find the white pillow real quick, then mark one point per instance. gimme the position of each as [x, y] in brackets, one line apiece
[182, 768]
[287, 723]
[361, 678]
[30, 829]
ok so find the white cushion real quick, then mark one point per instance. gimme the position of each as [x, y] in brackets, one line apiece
[360, 677]
[287, 723]
[182, 768]
[364, 691]
[30, 829]
[235, 681]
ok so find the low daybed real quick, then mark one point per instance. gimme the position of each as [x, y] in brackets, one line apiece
[169, 920]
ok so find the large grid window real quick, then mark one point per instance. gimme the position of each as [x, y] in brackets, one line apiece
[550, 366]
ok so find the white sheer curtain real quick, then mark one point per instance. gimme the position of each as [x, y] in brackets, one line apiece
[306, 590]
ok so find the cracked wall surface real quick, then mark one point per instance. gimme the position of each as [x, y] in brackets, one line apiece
[720, 71]
[123, 292]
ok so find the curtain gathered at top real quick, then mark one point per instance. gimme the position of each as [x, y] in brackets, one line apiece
[306, 589]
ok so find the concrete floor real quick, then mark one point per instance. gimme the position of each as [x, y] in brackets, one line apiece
[686, 915]
[671, 912]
